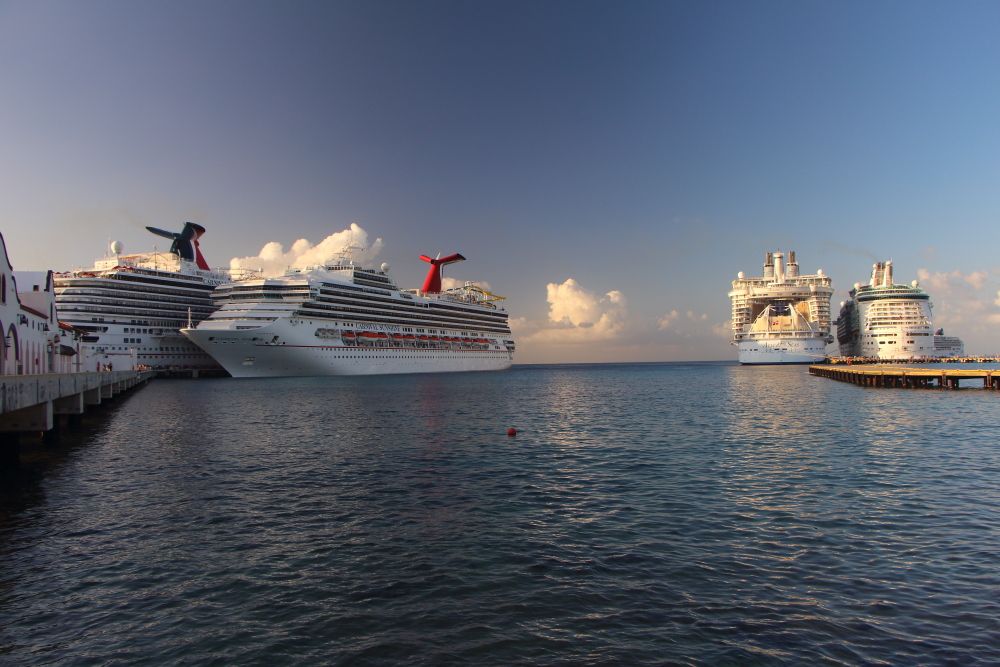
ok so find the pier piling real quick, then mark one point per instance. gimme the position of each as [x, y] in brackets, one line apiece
[904, 377]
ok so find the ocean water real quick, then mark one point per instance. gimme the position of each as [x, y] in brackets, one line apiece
[645, 514]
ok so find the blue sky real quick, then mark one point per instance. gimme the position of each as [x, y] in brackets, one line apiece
[608, 167]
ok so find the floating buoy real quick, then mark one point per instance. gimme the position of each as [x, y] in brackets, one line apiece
[512, 432]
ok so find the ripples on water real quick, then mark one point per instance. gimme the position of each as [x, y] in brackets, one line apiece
[700, 514]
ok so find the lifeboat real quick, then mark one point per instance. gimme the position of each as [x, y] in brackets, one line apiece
[383, 339]
[367, 337]
[396, 339]
[435, 341]
[410, 340]
[422, 340]
[482, 342]
[348, 337]
[467, 342]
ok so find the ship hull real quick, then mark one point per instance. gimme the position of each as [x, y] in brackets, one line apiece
[298, 353]
[782, 351]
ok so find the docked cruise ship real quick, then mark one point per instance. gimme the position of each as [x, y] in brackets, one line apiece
[947, 346]
[781, 317]
[346, 319]
[885, 320]
[131, 307]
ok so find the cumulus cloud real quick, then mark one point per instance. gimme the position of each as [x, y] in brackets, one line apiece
[667, 320]
[273, 260]
[694, 317]
[451, 283]
[964, 304]
[723, 329]
[579, 316]
[951, 283]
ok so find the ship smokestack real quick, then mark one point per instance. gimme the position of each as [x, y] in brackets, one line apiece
[779, 268]
[432, 283]
[768, 265]
[792, 268]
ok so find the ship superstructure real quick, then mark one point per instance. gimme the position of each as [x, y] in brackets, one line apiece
[885, 320]
[346, 319]
[131, 307]
[781, 317]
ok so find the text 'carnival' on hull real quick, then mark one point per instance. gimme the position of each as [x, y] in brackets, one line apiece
[781, 317]
[345, 319]
[885, 320]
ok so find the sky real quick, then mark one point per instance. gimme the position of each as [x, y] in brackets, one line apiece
[608, 167]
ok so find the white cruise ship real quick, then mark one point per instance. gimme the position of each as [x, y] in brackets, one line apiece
[131, 307]
[947, 346]
[344, 319]
[886, 321]
[781, 317]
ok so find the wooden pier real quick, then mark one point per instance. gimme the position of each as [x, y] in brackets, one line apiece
[905, 377]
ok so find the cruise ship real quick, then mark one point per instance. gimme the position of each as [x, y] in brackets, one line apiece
[886, 321]
[947, 346]
[781, 317]
[346, 319]
[131, 307]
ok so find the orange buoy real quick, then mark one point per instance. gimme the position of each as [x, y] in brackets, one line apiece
[512, 432]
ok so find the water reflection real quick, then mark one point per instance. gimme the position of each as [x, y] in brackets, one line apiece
[643, 514]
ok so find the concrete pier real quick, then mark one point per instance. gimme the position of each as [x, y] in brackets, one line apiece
[32, 403]
[906, 377]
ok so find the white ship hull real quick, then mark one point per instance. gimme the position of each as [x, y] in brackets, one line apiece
[782, 351]
[299, 353]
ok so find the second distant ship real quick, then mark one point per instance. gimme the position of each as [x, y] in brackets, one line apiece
[781, 317]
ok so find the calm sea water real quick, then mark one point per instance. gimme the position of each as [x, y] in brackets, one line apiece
[691, 514]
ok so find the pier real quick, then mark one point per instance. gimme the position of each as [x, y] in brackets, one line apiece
[906, 377]
[34, 403]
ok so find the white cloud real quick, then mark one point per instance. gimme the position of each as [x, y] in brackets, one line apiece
[695, 317]
[951, 283]
[723, 329]
[451, 283]
[965, 306]
[273, 260]
[579, 316]
[667, 320]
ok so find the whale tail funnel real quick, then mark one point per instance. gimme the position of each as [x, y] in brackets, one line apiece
[432, 283]
[185, 243]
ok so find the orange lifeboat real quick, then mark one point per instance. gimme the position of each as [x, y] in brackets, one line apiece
[367, 337]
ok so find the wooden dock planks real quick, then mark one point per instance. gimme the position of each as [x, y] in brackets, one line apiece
[906, 376]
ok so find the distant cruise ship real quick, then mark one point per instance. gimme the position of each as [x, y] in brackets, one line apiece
[947, 346]
[781, 317]
[132, 307]
[345, 319]
[889, 321]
